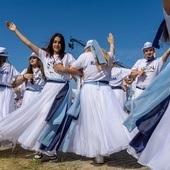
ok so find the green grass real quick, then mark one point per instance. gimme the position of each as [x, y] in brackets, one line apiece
[21, 159]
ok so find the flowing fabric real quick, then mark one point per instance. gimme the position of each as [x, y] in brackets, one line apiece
[95, 132]
[147, 125]
[155, 153]
[156, 92]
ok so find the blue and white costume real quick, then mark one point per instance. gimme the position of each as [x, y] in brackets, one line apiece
[151, 68]
[30, 90]
[116, 83]
[27, 123]
[7, 95]
[151, 115]
[95, 131]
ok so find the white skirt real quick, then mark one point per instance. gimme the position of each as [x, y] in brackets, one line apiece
[6, 101]
[156, 155]
[122, 97]
[99, 129]
[29, 96]
[157, 151]
[26, 123]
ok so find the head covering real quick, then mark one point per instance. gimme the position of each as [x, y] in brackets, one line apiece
[97, 51]
[114, 59]
[33, 55]
[3, 52]
[88, 44]
[147, 45]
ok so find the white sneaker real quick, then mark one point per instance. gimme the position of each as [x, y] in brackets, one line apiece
[99, 159]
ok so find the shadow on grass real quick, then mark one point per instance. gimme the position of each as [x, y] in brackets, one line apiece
[120, 160]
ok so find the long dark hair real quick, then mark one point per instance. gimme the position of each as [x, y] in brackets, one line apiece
[30, 70]
[49, 47]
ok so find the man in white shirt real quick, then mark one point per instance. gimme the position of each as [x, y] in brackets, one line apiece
[150, 65]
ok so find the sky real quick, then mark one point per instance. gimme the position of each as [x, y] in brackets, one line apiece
[132, 22]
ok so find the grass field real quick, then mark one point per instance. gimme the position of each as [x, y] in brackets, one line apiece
[21, 159]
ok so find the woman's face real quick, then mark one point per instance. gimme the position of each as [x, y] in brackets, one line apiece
[57, 45]
[34, 61]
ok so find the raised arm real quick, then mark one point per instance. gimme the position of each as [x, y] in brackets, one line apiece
[166, 55]
[11, 26]
[110, 40]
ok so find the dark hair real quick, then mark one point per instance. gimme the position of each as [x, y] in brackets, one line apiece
[30, 70]
[49, 47]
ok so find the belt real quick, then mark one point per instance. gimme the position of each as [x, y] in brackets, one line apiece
[1, 85]
[116, 87]
[32, 89]
[141, 88]
[100, 82]
[57, 80]
[103, 81]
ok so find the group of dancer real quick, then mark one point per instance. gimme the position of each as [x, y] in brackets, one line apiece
[96, 123]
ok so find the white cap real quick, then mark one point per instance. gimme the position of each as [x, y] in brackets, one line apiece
[33, 55]
[147, 45]
[88, 44]
[3, 52]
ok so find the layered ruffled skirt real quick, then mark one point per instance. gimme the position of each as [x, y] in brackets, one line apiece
[99, 129]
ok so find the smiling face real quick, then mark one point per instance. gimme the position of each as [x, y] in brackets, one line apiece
[57, 45]
[34, 61]
[149, 52]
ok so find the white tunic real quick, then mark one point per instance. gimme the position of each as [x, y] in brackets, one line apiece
[7, 95]
[30, 90]
[26, 123]
[117, 76]
[96, 130]
[152, 69]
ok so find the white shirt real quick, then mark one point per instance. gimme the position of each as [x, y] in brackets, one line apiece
[117, 75]
[38, 80]
[48, 63]
[7, 72]
[151, 68]
[91, 73]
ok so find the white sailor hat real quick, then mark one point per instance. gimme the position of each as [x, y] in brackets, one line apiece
[147, 45]
[33, 55]
[3, 52]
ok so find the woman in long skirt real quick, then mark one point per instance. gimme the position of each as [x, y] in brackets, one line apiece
[26, 124]
[98, 131]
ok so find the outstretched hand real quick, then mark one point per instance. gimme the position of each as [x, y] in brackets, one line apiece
[110, 39]
[11, 26]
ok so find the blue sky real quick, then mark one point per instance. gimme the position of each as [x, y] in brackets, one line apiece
[132, 22]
